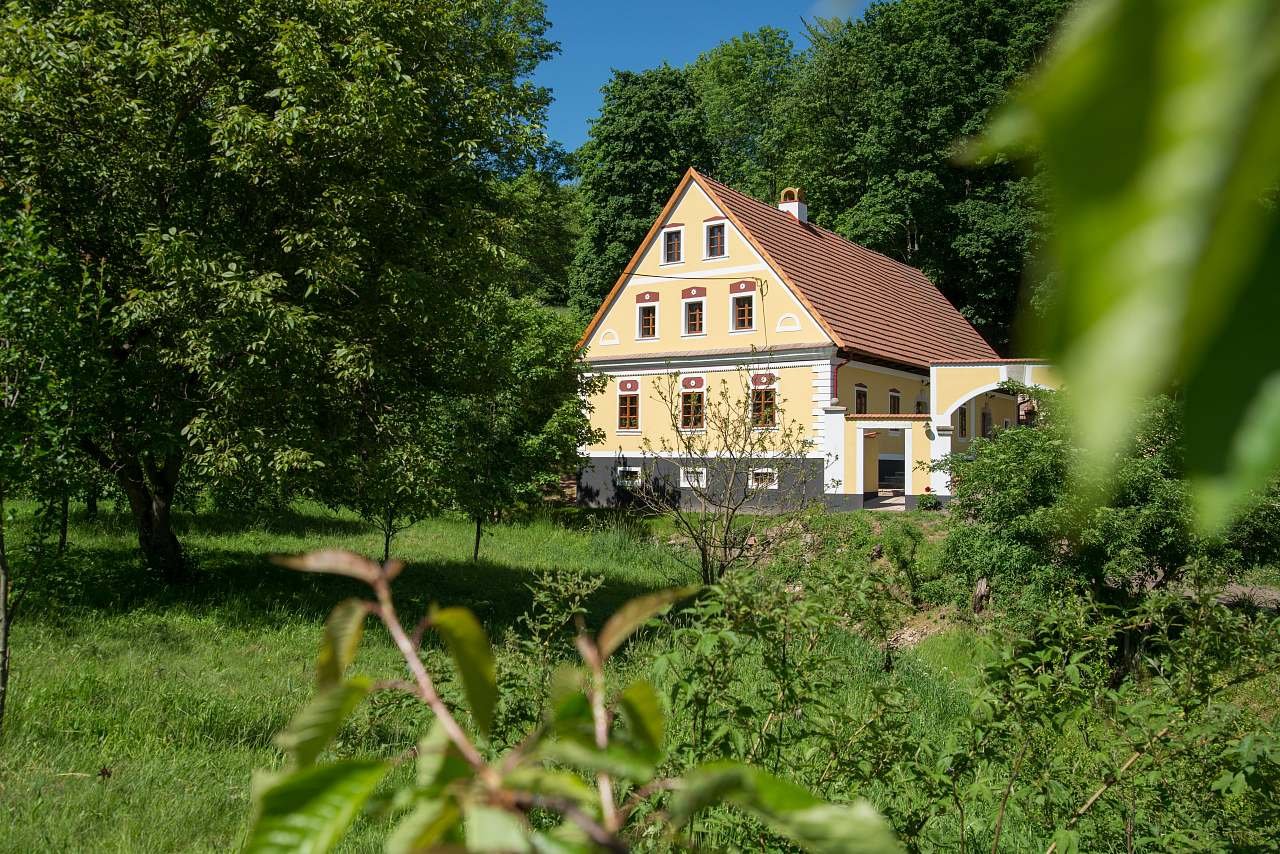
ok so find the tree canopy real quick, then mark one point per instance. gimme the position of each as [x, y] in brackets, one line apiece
[285, 209]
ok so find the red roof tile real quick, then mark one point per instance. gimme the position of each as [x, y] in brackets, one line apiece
[874, 305]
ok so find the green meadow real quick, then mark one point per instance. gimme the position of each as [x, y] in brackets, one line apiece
[139, 710]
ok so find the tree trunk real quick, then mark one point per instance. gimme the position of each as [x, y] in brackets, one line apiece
[151, 503]
[475, 552]
[91, 502]
[6, 618]
[63, 511]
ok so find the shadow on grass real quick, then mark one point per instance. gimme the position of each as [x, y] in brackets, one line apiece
[244, 588]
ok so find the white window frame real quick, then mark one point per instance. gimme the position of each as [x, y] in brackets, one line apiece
[777, 406]
[662, 247]
[773, 481]
[683, 391]
[639, 414]
[685, 483]
[866, 392]
[657, 321]
[684, 318]
[617, 476]
[755, 314]
[706, 240]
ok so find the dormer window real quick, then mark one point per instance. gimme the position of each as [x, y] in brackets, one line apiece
[715, 240]
[672, 246]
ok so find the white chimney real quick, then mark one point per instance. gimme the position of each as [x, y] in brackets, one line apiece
[792, 202]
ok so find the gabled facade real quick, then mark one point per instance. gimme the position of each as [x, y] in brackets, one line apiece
[864, 353]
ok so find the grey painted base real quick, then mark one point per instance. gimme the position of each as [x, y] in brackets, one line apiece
[597, 483]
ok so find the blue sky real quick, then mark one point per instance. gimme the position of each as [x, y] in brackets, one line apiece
[597, 36]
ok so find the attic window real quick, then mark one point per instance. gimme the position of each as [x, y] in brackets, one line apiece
[715, 240]
[672, 248]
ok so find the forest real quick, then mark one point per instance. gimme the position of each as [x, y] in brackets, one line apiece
[290, 386]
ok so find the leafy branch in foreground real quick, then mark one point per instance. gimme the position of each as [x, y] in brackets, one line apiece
[572, 784]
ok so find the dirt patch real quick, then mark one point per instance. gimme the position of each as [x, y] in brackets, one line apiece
[921, 625]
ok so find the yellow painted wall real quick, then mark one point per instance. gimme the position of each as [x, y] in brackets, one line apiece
[773, 301]
[957, 384]
[795, 404]
[871, 460]
[918, 479]
[878, 384]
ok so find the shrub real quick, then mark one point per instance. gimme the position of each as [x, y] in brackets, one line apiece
[928, 501]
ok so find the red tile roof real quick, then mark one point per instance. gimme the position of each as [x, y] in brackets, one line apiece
[873, 305]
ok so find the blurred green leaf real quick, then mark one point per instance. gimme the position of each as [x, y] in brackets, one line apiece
[614, 759]
[642, 712]
[424, 826]
[439, 762]
[493, 829]
[635, 614]
[786, 808]
[552, 782]
[474, 658]
[315, 725]
[1158, 126]
[342, 633]
[308, 811]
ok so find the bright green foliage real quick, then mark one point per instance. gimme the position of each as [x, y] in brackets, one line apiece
[499, 804]
[741, 85]
[513, 428]
[649, 131]
[469, 647]
[318, 722]
[1018, 521]
[876, 114]
[1166, 244]
[308, 811]
[285, 209]
[786, 808]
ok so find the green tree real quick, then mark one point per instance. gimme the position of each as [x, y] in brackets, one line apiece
[518, 427]
[279, 202]
[37, 324]
[742, 84]
[880, 105]
[650, 130]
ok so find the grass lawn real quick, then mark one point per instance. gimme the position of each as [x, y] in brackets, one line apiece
[137, 711]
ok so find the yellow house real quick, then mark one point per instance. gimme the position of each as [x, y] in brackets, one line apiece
[863, 353]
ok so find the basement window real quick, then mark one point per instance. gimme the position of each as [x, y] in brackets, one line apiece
[764, 479]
